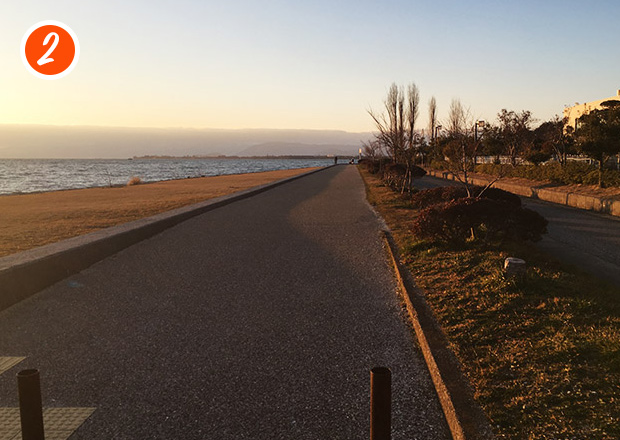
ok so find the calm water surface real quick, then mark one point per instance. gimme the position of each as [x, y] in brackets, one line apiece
[36, 175]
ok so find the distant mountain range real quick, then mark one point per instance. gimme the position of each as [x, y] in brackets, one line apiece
[287, 148]
[82, 142]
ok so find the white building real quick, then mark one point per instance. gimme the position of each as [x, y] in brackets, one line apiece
[575, 112]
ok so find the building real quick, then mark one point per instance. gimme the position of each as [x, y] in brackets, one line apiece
[575, 112]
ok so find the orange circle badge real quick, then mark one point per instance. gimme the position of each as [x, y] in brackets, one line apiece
[50, 49]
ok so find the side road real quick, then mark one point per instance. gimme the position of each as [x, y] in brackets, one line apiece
[589, 240]
[259, 319]
[541, 191]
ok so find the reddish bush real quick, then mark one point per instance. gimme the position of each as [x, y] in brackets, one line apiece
[528, 225]
[499, 194]
[490, 220]
[394, 174]
[417, 171]
[395, 169]
[428, 197]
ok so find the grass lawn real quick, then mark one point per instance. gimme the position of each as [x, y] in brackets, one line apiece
[542, 353]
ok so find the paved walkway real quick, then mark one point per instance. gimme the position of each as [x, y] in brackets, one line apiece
[258, 320]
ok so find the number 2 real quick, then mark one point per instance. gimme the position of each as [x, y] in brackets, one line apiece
[44, 59]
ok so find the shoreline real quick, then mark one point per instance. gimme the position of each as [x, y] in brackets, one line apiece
[31, 220]
[119, 185]
[33, 177]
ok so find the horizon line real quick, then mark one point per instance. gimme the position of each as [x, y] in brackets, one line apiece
[176, 127]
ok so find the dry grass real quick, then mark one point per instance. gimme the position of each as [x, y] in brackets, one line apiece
[542, 353]
[32, 220]
[134, 181]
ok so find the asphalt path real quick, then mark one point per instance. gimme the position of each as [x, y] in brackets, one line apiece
[588, 240]
[258, 320]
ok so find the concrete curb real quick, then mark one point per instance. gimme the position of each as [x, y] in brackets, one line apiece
[465, 418]
[26, 273]
[581, 201]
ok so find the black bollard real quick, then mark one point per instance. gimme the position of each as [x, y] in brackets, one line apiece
[380, 403]
[30, 405]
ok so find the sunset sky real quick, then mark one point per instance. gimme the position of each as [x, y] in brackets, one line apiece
[312, 64]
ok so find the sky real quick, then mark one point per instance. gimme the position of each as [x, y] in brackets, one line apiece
[308, 64]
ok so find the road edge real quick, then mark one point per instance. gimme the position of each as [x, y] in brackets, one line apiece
[25, 273]
[466, 419]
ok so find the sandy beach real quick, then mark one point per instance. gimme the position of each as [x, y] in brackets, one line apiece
[31, 220]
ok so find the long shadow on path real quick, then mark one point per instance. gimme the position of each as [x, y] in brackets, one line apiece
[260, 319]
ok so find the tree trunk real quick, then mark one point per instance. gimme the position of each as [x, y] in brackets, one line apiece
[406, 180]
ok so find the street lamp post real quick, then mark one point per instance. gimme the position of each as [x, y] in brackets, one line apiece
[433, 138]
[479, 124]
[439, 127]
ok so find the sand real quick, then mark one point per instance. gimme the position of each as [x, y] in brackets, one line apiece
[31, 220]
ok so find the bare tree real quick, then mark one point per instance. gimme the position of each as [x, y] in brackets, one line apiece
[459, 119]
[462, 146]
[413, 101]
[412, 141]
[390, 124]
[432, 116]
[372, 149]
[396, 128]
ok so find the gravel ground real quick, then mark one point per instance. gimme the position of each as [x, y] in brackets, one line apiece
[258, 320]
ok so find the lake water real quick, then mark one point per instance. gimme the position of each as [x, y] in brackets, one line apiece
[36, 175]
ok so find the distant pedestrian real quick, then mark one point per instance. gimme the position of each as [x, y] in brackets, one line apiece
[335, 160]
